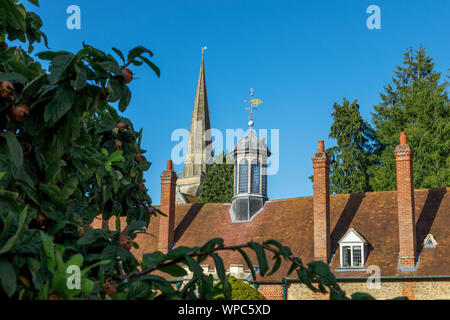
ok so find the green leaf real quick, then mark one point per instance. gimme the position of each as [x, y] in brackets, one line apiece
[50, 55]
[111, 66]
[34, 266]
[87, 286]
[14, 148]
[139, 290]
[136, 52]
[59, 66]
[119, 53]
[179, 252]
[58, 107]
[211, 244]
[86, 270]
[362, 296]
[13, 15]
[150, 260]
[8, 277]
[116, 156]
[13, 76]
[125, 99]
[10, 243]
[31, 88]
[49, 251]
[323, 271]
[285, 251]
[276, 265]
[248, 261]
[69, 187]
[76, 260]
[294, 265]
[306, 277]
[91, 236]
[261, 255]
[194, 267]
[220, 268]
[174, 270]
[80, 81]
[152, 66]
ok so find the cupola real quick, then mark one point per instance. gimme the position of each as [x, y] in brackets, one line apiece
[250, 173]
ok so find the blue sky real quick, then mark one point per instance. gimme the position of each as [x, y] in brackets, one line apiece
[300, 56]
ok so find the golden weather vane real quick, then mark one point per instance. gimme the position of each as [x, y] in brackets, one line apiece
[253, 105]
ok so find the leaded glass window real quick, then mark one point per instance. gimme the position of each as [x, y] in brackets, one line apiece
[235, 177]
[243, 176]
[255, 177]
[264, 179]
[357, 256]
[347, 256]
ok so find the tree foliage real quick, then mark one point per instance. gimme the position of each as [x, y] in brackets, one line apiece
[242, 290]
[352, 157]
[217, 187]
[415, 102]
[66, 158]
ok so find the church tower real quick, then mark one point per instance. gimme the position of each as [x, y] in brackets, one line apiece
[250, 172]
[199, 150]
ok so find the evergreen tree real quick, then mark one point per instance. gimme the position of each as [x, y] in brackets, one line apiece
[218, 183]
[352, 157]
[417, 103]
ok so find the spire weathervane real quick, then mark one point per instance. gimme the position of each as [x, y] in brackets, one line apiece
[253, 105]
[204, 48]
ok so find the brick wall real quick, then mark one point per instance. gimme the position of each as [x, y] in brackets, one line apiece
[414, 290]
[271, 291]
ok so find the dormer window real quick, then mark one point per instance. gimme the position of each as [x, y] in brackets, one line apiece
[429, 241]
[352, 246]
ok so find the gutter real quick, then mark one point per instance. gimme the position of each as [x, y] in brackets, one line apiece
[386, 278]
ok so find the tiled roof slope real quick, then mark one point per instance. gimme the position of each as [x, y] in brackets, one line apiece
[290, 221]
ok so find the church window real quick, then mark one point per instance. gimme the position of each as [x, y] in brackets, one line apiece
[243, 176]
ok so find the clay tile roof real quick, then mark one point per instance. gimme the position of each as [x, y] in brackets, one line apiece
[373, 215]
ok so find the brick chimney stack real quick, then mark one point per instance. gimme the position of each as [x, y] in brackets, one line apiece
[321, 204]
[166, 224]
[405, 202]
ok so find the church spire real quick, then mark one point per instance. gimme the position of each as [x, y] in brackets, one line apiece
[199, 149]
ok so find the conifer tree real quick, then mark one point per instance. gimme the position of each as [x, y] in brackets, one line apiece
[218, 183]
[352, 157]
[415, 102]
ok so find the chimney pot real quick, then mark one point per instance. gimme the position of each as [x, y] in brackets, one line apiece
[321, 146]
[403, 137]
[169, 165]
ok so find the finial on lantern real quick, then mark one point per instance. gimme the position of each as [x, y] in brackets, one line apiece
[253, 105]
